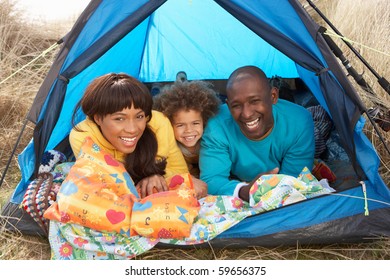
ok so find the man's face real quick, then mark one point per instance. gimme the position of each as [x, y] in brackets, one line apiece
[250, 102]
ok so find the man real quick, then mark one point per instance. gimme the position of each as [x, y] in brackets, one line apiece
[254, 134]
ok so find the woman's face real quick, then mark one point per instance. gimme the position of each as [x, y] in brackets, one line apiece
[123, 129]
[188, 127]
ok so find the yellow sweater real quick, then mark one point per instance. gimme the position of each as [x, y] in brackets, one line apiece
[161, 126]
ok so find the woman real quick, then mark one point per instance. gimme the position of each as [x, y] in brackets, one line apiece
[119, 120]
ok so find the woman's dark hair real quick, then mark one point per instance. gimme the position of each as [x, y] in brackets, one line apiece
[112, 93]
[142, 162]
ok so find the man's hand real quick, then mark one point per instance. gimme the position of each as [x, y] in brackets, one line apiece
[148, 184]
[244, 191]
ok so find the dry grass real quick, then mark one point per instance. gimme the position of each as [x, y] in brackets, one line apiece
[18, 247]
[365, 25]
[362, 21]
[20, 43]
[372, 251]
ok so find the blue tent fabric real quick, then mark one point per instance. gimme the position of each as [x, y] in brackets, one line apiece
[153, 40]
[304, 52]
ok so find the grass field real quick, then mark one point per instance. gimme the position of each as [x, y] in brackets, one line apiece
[365, 23]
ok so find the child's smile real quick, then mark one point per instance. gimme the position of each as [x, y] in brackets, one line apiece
[188, 127]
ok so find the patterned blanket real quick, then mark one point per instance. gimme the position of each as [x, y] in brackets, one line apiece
[105, 218]
[99, 194]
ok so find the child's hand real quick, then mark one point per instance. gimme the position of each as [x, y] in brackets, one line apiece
[152, 184]
[200, 187]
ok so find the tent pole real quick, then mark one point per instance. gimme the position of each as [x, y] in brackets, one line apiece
[358, 78]
[13, 152]
[381, 80]
[339, 54]
[377, 131]
[352, 72]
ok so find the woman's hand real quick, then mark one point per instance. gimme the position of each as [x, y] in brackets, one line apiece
[200, 187]
[148, 184]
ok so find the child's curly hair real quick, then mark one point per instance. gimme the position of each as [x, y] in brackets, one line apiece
[188, 95]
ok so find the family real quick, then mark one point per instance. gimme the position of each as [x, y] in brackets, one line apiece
[186, 129]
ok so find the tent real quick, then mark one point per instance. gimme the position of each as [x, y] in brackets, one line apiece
[154, 40]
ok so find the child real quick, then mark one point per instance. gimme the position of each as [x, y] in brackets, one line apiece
[119, 119]
[188, 105]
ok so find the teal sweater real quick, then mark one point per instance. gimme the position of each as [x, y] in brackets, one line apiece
[227, 157]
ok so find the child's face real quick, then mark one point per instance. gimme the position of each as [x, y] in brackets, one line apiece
[123, 129]
[188, 127]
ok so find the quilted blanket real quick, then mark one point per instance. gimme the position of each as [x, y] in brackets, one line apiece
[99, 215]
